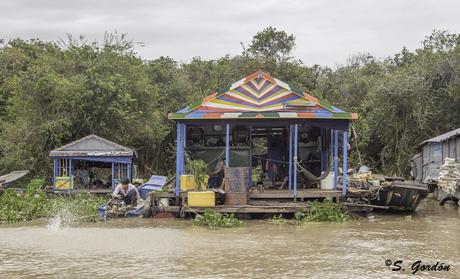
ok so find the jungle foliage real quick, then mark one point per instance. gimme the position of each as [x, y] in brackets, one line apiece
[52, 93]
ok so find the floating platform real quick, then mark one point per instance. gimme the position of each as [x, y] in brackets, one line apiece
[269, 201]
[269, 208]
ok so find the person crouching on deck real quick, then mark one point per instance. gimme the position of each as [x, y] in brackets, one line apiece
[126, 192]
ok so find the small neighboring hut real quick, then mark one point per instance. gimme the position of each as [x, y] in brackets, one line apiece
[91, 162]
[262, 123]
[432, 154]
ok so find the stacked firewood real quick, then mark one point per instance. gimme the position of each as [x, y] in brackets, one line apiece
[449, 176]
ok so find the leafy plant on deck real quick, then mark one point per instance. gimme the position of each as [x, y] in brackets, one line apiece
[199, 170]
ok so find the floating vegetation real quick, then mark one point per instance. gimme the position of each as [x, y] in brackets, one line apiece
[278, 219]
[326, 211]
[26, 205]
[214, 220]
[33, 203]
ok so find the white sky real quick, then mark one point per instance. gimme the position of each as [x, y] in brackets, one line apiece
[327, 32]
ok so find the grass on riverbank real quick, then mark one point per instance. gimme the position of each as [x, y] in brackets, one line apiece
[33, 203]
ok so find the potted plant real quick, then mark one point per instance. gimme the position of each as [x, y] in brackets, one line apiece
[200, 197]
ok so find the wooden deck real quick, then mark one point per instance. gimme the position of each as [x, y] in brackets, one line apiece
[282, 208]
[304, 194]
[270, 201]
[275, 194]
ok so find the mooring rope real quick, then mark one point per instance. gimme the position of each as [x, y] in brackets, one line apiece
[186, 206]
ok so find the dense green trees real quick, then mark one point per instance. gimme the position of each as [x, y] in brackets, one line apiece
[53, 93]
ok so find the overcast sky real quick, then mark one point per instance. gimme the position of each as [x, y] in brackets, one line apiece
[327, 32]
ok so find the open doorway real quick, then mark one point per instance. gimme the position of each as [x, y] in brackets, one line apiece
[270, 163]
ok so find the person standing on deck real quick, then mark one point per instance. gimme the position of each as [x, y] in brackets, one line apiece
[216, 177]
[126, 192]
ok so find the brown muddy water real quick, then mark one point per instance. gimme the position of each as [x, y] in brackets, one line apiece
[146, 248]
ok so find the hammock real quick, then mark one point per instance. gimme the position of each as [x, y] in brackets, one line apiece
[310, 176]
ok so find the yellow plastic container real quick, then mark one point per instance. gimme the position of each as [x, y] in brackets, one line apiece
[64, 183]
[187, 182]
[201, 199]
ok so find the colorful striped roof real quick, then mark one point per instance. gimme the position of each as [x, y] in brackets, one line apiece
[259, 95]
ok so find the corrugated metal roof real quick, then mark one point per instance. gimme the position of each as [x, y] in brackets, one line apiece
[257, 96]
[92, 145]
[443, 137]
[12, 176]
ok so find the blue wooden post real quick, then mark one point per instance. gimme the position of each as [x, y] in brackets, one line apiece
[179, 156]
[183, 140]
[54, 173]
[227, 145]
[296, 139]
[113, 176]
[290, 158]
[336, 158]
[345, 154]
[70, 175]
[250, 156]
[128, 170]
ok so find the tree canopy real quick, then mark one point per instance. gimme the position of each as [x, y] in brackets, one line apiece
[53, 93]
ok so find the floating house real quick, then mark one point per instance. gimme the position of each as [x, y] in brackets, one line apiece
[75, 163]
[432, 154]
[264, 124]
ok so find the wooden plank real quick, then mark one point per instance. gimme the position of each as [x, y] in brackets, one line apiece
[158, 194]
[313, 193]
[362, 205]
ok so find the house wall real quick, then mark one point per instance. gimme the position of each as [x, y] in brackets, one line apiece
[457, 148]
[433, 156]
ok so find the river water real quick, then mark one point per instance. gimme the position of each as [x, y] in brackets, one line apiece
[146, 248]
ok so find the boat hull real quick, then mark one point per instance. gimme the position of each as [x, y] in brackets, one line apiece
[401, 195]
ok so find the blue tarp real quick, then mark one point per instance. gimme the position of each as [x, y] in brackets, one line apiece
[155, 183]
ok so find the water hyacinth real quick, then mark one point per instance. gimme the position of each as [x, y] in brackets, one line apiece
[326, 211]
[34, 203]
[214, 220]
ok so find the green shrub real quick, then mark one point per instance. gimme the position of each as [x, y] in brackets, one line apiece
[213, 220]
